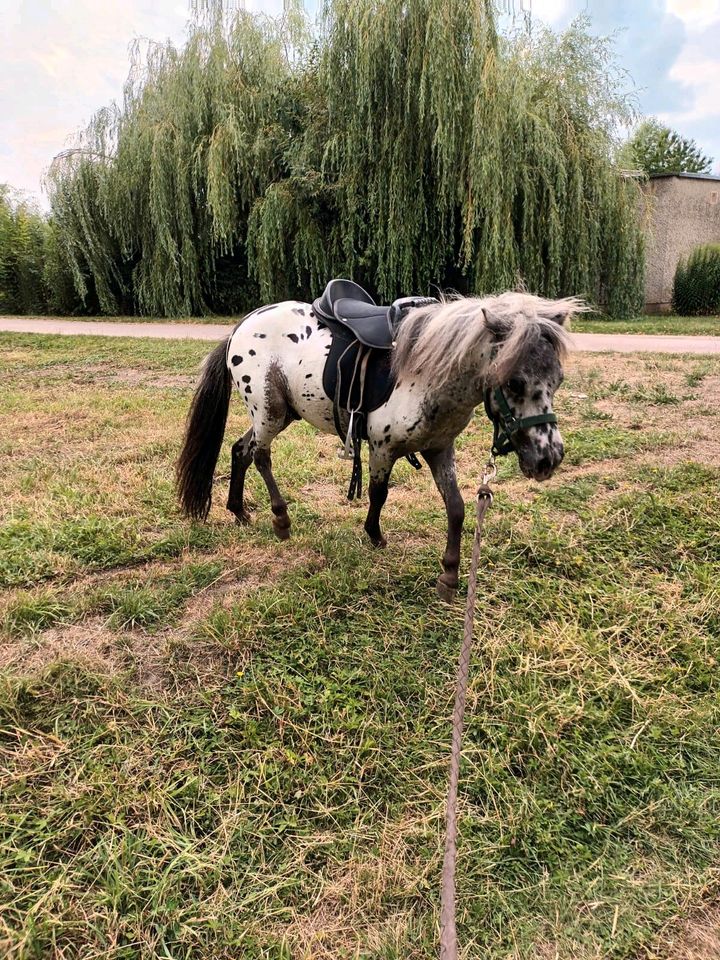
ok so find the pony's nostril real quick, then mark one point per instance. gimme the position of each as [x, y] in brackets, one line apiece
[544, 465]
[560, 452]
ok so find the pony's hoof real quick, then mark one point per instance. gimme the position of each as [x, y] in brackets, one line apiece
[380, 543]
[446, 593]
[242, 519]
[282, 533]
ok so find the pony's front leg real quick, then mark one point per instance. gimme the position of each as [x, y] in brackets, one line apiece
[442, 465]
[380, 469]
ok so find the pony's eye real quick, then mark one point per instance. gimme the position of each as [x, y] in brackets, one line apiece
[517, 386]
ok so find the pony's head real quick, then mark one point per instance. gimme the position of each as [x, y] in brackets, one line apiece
[515, 343]
[529, 344]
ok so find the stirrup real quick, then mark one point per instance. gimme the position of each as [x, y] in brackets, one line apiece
[347, 452]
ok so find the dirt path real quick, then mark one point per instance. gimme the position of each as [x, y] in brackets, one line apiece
[594, 342]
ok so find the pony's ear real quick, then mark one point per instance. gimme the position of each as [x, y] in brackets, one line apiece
[563, 310]
[499, 327]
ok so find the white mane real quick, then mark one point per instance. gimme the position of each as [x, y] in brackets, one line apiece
[439, 338]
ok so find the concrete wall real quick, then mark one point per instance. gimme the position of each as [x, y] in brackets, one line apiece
[682, 212]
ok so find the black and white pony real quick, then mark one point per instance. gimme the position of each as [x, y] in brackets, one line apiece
[448, 357]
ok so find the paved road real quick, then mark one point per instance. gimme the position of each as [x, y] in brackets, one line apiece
[597, 342]
[102, 328]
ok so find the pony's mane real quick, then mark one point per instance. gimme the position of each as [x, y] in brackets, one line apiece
[437, 339]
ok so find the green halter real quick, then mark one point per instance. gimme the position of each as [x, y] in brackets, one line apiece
[506, 424]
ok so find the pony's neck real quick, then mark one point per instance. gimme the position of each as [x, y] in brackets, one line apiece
[470, 381]
[466, 389]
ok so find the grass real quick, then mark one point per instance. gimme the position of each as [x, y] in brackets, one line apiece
[215, 745]
[666, 324]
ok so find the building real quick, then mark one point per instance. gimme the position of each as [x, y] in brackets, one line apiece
[683, 211]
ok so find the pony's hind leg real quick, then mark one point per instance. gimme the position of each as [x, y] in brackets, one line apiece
[241, 458]
[278, 504]
[442, 465]
[271, 416]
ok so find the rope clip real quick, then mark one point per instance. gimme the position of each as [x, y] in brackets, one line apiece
[490, 471]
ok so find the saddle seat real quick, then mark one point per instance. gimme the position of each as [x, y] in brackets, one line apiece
[345, 303]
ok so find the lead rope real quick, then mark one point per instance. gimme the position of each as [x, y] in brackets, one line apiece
[448, 935]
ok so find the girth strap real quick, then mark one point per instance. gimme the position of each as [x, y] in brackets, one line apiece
[357, 422]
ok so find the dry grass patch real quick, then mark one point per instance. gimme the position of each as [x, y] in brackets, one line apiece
[348, 917]
[131, 638]
[696, 938]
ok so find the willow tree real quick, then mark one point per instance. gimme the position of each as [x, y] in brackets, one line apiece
[404, 142]
[157, 193]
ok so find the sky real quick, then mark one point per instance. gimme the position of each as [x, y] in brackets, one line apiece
[60, 60]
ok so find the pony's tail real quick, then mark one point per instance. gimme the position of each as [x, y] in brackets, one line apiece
[204, 433]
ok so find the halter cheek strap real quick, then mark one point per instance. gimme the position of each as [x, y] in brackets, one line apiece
[506, 424]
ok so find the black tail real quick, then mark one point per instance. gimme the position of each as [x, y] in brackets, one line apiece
[204, 435]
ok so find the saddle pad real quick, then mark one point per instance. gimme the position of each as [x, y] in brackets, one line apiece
[379, 381]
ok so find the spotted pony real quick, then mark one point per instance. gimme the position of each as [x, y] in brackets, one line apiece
[448, 358]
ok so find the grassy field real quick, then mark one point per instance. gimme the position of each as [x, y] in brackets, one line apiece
[672, 325]
[215, 745]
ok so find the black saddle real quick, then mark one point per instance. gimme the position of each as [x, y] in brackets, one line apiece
[358, 375]
[345, 302]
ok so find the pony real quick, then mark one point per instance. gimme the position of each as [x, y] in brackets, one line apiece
[447, 358]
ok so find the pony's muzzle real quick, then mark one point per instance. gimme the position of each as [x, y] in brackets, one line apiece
[540, 464]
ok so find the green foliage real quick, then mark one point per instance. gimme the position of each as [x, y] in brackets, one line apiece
[404, 143]
[34, 272]
[654, 148]
[22, 239]
[696, 289]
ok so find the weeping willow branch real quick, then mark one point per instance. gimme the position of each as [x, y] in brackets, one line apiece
[403, 142]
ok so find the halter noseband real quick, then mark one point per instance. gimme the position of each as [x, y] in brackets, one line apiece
[506, 424]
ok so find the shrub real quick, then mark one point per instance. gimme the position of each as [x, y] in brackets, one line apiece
[696, 289]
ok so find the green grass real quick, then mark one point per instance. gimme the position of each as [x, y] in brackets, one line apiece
[251, 761]
[669, 325]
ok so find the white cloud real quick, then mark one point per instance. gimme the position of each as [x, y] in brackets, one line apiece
[701, 77]
[61, 61]
[697, 68]
[549, 11]
[696, 71]
[695, 12]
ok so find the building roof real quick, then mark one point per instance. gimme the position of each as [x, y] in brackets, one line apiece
[689, 176]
